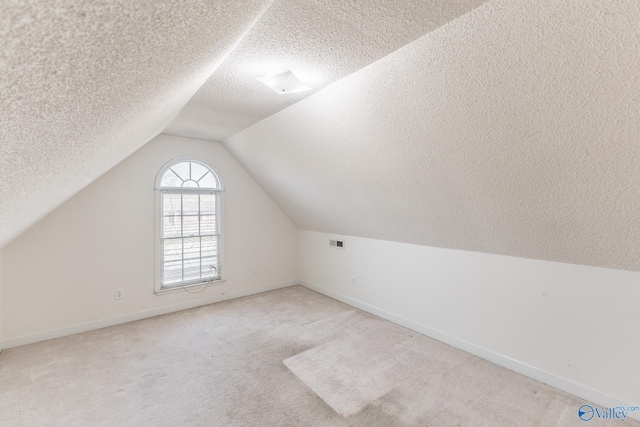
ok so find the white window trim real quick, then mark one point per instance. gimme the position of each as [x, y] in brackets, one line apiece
[199, 286]
[193, 288]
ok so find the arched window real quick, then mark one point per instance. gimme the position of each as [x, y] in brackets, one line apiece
[189, 217]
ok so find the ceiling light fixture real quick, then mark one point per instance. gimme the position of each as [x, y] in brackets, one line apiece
[282, 83]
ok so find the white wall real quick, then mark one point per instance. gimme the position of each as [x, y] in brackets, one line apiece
[1, 334]
[60, 275]
[573, 327]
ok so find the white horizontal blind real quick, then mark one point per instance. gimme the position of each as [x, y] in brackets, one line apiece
[190, 236]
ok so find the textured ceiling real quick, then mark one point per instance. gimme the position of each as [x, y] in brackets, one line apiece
[511, 130]
[84, 83]
[320, 40]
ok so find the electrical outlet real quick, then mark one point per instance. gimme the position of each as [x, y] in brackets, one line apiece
[253, 271]
[119, 294]
[353, 281]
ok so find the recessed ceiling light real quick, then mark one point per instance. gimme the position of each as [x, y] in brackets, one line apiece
[282, 83]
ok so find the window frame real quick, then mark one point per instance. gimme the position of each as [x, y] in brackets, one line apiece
[200, 284]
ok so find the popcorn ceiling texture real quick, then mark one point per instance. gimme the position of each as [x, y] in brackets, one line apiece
[85, 83]
[320, 40]
[511, 130]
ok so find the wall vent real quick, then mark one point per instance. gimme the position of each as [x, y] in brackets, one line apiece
[337, 244]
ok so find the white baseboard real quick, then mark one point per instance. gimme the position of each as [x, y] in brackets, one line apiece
[130, 317]
[568, 386]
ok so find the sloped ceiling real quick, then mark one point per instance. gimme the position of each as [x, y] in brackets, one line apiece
[511, 130]
[85, 83]
[321, 41]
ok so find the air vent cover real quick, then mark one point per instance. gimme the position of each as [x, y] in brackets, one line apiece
[337, 244]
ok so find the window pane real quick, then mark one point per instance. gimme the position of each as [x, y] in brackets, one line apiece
[208, 181]
[170, 179]
[189, 174]
[207, 224]
[198, 171]
[190, 226]
[172, 261]
[171, 226]
[191, 247]
[192, 258]
[190, 184]
[209, 247]
[172, 272]
[172, 249]
[207, 204]
[191, 269]
[171, 204]
[182, 170]
[190, 204]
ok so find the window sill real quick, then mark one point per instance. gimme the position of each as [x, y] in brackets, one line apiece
[197, 287]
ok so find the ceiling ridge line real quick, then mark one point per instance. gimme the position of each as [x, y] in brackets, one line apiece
[235, 45]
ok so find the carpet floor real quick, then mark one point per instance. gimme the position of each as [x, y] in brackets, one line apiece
[289, 357]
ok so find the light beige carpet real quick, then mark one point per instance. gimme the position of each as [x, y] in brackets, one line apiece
[285, 358]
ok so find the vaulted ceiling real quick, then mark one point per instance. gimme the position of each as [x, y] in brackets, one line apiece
[507, 126]
[320, 41]
[511, 130]
[86, 83]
